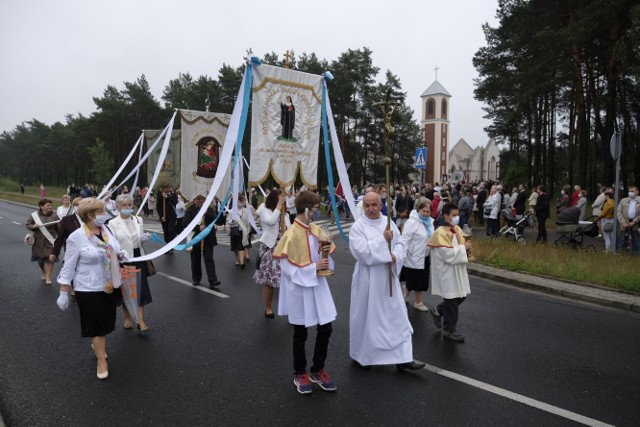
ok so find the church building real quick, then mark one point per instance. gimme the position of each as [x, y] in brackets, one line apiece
[474, 164]
[435, 122]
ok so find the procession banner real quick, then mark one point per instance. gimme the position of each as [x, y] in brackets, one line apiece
[170, 172]
[203, 136]
[285, 126]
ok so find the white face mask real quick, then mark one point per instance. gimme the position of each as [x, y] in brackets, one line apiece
[632, 194]
[100, 220]
[455, 220]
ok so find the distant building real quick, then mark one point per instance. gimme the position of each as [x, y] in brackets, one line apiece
[474, 164]
[435, 122]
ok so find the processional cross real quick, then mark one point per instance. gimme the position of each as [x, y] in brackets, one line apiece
[387, 107]
[287, 57]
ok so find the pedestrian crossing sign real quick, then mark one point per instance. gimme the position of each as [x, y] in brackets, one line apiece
[421, 158]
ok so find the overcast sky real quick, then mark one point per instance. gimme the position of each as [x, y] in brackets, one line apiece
[57, 55]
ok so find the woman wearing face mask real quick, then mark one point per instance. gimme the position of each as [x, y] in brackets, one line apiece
[415, 235]
[91, 262]
[44, 236]
[129, 231]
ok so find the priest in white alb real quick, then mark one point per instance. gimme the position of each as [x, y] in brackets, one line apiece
[379, 328]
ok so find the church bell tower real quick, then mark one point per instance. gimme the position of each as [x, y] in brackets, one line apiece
[435, 122]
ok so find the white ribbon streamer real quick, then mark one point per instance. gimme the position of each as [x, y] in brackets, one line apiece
[225, 159]
[340, 166]
[122, 166]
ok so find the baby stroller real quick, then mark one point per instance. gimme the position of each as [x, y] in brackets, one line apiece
[572, 231]
[514, 225]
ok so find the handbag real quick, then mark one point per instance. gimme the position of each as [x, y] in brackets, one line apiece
[151, 269]
[235, 231]
[259, 260]
[29, 239]
[487, 211]
[607, 227]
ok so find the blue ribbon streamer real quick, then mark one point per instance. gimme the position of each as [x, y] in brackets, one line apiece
[241, 128]
[327, 156]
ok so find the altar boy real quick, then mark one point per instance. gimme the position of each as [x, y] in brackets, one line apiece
[304, 296]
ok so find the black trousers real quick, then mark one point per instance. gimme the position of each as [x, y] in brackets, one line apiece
[209, 265]
[448, 309]
[542, 230]
[168, 229]
[319, 352]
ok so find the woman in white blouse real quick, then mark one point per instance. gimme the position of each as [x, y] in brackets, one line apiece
[268, 275]
[129, 231]
[91, 262]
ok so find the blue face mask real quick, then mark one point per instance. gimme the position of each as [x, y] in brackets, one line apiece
[101, 220]
[424, 217]
[126, 212]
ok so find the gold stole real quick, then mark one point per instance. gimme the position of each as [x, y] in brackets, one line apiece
[294, 244]
[442, 237]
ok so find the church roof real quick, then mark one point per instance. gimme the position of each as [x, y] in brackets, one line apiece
[435, 89]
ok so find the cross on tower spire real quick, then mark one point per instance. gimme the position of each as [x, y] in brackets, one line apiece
[436, 70]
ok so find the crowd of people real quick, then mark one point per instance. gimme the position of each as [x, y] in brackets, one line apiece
[424, 245]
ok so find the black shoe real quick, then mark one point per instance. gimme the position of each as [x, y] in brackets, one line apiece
[410, 366]
[170, 252]
[212, 285]
[269, 315]
[364, 367]
[437, 317]
[195, 284]
[454, 336]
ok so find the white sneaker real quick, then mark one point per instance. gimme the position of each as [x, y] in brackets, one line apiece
[420, 306]
[405, 293]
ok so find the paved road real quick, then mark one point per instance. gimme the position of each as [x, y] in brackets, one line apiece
[213, 359]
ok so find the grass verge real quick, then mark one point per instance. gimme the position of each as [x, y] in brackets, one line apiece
[619, 272]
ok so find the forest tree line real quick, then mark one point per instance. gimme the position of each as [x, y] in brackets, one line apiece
[558, 78]
[90, 149]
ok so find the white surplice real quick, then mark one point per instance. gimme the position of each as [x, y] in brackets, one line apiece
[379, 328]
[304, 296]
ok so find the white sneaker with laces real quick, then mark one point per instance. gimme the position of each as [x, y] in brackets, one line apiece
[420, 306]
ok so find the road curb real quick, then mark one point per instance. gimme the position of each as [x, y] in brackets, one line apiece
[575, 291]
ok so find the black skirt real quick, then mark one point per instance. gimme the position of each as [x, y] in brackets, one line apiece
[418, 278]
[97, 312]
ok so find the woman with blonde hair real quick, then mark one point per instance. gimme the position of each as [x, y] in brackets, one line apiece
[91, 263]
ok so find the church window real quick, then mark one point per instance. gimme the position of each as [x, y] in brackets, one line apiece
[444, 108]
[431, 106]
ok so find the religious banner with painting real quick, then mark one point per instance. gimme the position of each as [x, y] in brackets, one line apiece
[203, 135]
[170, 172]
[285, 125]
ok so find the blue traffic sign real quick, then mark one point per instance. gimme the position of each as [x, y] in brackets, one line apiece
[421, 158]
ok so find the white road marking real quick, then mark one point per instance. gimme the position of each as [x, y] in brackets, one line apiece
[517, 397]
[16, 223]
[200, 288]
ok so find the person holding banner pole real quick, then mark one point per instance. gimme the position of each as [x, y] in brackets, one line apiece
[205, 247]
[167, 201]
[268, 268]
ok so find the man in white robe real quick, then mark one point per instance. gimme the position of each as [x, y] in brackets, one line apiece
[379, 329]
[449, 277]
